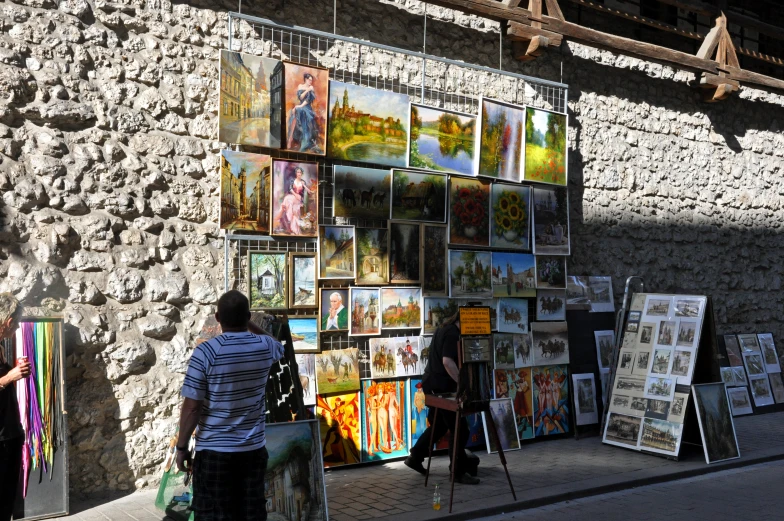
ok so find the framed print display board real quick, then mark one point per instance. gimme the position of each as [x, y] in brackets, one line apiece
[648, 401]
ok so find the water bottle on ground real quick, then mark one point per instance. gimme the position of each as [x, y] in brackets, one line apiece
[437, 499]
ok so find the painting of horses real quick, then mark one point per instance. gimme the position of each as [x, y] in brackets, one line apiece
[306, 365]
[408, 356]
[295, 198]
[513, 274]
[551, 221]
[503, 351]
[372, 256]
[418, 196]
[337, 371]
[524, 356]
[305, 120]
[545, 146]
[551, 400]
[339, 419]
[550, 304]
[384, 425]
[361, 193]
[550, 343]
[512, 315]
[267, 280]
[382, 358]
[499, 140]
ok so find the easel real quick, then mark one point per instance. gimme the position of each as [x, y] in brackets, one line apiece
[461, 409]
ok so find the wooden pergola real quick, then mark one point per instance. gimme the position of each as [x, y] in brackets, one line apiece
[542, 25]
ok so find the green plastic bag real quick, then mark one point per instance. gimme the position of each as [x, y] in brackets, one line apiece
[174, 496]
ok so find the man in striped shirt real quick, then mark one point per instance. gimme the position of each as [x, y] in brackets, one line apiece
[224, 394]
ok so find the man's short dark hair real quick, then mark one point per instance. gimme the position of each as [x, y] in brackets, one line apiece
[233, 309]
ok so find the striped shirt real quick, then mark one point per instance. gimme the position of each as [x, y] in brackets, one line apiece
[229, 374]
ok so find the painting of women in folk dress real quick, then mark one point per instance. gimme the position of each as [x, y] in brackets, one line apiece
[294, 198]
[384, 425]
[517, 385]
[339, 420]
[551, 400]
[500, 140]
[306, 89]
[441, 140]
[545, 147]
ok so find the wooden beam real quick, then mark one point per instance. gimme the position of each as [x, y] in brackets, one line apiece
[554, 10]
[748, 22]
[524, 33]
[639, 19]
[755, 77]
[759, 56]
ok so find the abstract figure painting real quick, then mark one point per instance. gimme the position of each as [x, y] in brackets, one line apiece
[302, 280]
[441, 140]
[305, 89]
[469, 212]
[362, 193]
[365, 311]
[516, 384]
[267, 280]
[551, 400]
[513, 275]
[384, 425]
[404, 252]
[248, 114]
[418, 196]
[502, 414]
[469, 274]
[294, 198]
[339, 420]
[337, 255]
[417, 410]
[245, 191]
[434, 262]
[372, 256]
[368, 125]
[716, 426]
[337, 371]
[551, 221]
[499, 140]
[545, 147]
[510, 220]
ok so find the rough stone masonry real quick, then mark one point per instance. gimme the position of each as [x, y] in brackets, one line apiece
[108, 177]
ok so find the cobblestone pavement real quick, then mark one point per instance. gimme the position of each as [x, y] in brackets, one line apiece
[729, 495]
[543, 472]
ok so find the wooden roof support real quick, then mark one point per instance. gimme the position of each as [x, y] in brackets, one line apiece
[716, 87]
[530, 41]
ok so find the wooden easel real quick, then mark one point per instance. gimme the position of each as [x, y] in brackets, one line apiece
[451, 403]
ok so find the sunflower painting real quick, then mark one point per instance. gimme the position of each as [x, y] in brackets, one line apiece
[510, 216]
[469, 212]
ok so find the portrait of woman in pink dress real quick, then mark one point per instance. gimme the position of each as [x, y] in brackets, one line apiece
[295, 198]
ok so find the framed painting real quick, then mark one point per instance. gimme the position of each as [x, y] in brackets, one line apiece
[337, 371]
[550, 272]
[267, 280]
[339, 419]
[760, 390]
[382, 358]
[716, 426]
[754, 363]
[551, 400]
[740, 403]
[512, 315]
[302, 280]
[305, 89]
[503, 351]
[434, 263]
[401, 308]
[550, 304]
[417, 410]
[477, 349]
[523, 351]
[361, 193]
[577, 293]
[513, 274]
[499, 140]
[372, 256]
[769, 354]
[304, 333]
[605, 340]
[469, 212]
[435, 311]
[545, 146]
[516, 384]
[384, 422]
[749, 343]
[405, 249]
[776, 386]
[586, 412]
[306, 366]
[501, 411]
[550, 342]
[248, 113]
[441, 140]
[333, 309]
[469, 274]
[245, 191]
[510, 217]
[365, 308]
[418, 196]
[296, 445]
[551, 221]
[337, 254]
[294, 198]
[368, 125]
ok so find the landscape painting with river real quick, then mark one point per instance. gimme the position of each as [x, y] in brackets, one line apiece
[368, 125]
[442, 140]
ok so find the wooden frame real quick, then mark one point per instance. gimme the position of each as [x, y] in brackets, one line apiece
[323, 276]
[291, 282]
[317, 349]
[360, 258]
[285, 270]
[345, 301]
[273, 208]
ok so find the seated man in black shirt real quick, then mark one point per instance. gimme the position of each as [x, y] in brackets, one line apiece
[441, 377]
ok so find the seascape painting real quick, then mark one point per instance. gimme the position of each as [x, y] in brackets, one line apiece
[365, 311]
[441, 140]
[469, 212]
[305, 119]
[249, 113]
[267, 280]
[513, 274]
[361, 193]
[418, 196]
[510, 220]
[500, 140]
[551, 400]
[372, 256]
[469, 274]
[294, 198]
[384, 425]
[551, 221]
[302, 280]
[368, 125]
[337, 255]
[304, 333]
[339, 421]
[545, 147]
[434, 263]
[245, 191]
[337, 371]
[404, 252]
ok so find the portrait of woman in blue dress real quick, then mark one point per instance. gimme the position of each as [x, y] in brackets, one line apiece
[304, 125]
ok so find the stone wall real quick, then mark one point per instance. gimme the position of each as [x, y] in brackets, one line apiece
[108, 177]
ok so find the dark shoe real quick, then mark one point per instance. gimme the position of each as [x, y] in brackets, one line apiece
[472, 467]
[415, 465]
[467, 479]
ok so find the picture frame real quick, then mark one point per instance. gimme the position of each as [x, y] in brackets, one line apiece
[760, 390]
[503, 416]
[510, 216]
[401, 307]
[372, 256]
[435, 279]
[512, 315]
[717, 429]
[550, 304]
[492, 138]
[551, 221]
[469, 212]
[365, 311]
[338, 298]
[305, 333]
[305, 111]
[740, 403]
[337, 252]
[405, 252]
[470, 274]
[545, 161]
[550, 272]
[267, 274]
[250, 210]
[303, 292]
[434, 130]
[586, 411]
[295, 198]
[418, 196]
[436, 309]
[513, 275]
[334, 362]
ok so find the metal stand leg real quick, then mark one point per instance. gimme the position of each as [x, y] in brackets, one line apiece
[454, 458]
[430, 447]
[494, 432]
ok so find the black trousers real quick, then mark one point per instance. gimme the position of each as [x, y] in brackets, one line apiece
[10, 469]
[445, 422]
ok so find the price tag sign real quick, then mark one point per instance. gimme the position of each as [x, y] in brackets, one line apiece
[475, 321]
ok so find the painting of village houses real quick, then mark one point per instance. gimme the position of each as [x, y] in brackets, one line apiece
[372, 256]
[367, 125]
[418, 196]
[294, 479]
[337, 257]
[365, 317]
[469, 274]
[267, 280]
[436, 310]
[251, 103]
[245, 191]
[401, 308]
[513, 275]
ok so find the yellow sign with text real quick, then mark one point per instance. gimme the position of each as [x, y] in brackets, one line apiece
[475, 321]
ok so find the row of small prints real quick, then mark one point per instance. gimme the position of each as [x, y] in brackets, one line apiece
[762, 363]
